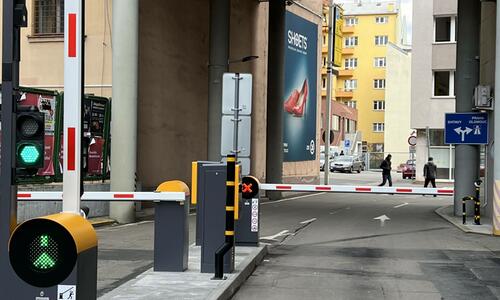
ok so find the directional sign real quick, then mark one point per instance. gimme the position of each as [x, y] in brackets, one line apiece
[466, 128]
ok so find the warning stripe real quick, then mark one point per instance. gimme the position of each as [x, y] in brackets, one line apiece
[323, 188]
[71, 148]
[123, 196]
[72, 35]
[283, 187]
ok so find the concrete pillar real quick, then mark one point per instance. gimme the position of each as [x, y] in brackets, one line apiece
[218, 64]
[124, 107]
[466, 78]
[496, 114]
[275, 95]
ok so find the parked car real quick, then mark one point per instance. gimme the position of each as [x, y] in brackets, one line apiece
[345, 163]
[408, 169]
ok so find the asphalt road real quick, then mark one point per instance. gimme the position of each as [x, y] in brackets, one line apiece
[329, 246]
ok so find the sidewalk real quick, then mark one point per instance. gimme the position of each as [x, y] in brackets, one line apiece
[190, 284]
[485, 228]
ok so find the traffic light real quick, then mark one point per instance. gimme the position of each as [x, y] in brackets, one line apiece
[30, 136]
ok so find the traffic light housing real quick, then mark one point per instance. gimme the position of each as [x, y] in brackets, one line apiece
[30, 139]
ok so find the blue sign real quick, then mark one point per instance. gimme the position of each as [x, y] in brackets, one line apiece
[347, 144]
[466, 128]
[299, 104]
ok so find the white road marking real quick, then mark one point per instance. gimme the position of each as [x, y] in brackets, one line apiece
[308, 221]
[273, 237]
[401, 205]
[382, 219]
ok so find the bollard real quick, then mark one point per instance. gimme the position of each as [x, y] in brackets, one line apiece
[229, 232]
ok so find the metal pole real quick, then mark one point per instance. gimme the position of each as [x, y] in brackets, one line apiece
[275, 95]
[329, 83]
[496, 114]
[220, 11]
[124, 108]
[236, 111]
[467, 78]
[10, 94]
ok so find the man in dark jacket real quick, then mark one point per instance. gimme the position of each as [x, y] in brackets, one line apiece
[430, 173]
[386, 171]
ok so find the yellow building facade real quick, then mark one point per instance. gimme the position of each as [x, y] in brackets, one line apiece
[367, 30]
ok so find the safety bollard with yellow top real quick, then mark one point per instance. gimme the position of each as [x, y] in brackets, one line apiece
[55, 257]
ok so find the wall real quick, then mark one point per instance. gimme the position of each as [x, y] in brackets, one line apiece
[173, 89]
[397, 104]
[423, 105]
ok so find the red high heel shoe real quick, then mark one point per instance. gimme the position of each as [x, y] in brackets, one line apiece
[298, 109]
[291, 102]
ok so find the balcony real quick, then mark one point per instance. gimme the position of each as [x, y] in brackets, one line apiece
[344, 93]
[347, 29]
[346, 73]
[347, 51]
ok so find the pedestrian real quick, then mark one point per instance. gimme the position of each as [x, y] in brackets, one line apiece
[430, 173]
[386, 171]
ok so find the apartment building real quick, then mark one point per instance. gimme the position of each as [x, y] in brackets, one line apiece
[368, 28]
[433, 72]
[343, 120]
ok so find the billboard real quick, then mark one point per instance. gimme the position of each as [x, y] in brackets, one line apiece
[299, 105]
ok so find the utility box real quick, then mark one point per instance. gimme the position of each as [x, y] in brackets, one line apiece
[211, 214]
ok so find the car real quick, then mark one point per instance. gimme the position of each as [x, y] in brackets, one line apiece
[346, 163]
[408, 170]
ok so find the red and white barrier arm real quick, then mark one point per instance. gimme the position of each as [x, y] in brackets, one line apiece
[356, 189]
[106, 196]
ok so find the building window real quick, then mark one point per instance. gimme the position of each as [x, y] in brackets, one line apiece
[351, 21]
[379, 83]
[381, 40]
[48, 17]
[444, 83]
[351, 41]
[444, 29]
[323, 83]
[379, 62]
[351, 103]
[351, 63]
[379, 105]
[382, 20]
[378, 127]
[350, 84]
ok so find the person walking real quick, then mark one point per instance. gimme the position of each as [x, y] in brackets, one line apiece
[430, 173]
[386, 171]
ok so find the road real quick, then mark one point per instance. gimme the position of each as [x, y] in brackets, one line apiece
[330, 246]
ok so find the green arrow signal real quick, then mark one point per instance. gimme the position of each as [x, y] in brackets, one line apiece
[44, 262]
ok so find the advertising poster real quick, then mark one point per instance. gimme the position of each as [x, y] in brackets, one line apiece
[299, 105]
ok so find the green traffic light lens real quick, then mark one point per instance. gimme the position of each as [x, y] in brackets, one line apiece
[29, 154]
[44, 253]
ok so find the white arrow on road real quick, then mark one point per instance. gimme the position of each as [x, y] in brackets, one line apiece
[463, 132]
[382, 219]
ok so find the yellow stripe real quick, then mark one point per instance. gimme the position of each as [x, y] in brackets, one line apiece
[231, 159]
[194, 182]
[229, 232]
[230, 183]
[229, 208]
[237, 192]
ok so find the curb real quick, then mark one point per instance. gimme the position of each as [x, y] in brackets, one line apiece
[459, 225]
[227, 290]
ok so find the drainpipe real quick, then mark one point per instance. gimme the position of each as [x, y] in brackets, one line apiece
[124, 107]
